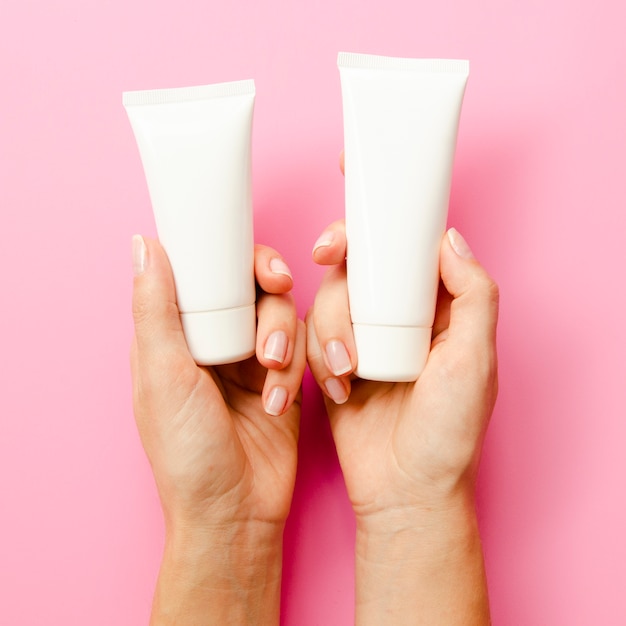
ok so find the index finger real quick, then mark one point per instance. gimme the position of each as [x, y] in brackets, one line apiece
[271, 271]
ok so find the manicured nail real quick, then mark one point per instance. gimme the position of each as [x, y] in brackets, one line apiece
[459, 245]
[139, 255]
[338, 357]
[276, 346]
[336, 390]
[276, 401]
[324, 240]
[278, 266]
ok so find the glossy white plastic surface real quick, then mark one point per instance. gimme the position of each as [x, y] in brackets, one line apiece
[195, 146]
[401, 119]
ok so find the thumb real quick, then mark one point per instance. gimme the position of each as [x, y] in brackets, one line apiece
[475, 296]
[158, 331]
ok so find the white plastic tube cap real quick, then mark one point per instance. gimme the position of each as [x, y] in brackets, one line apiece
[220, 337]
[391, 353]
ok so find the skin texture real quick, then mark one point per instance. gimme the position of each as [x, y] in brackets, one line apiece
[224, 467]
[410, 451]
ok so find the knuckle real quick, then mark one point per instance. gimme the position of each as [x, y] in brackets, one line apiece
[492, 291]
[142, 309]
[488, 288]
[277, 311]
[486, 294]
[153, 316]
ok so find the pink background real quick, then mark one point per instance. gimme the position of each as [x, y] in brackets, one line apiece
[538, 191]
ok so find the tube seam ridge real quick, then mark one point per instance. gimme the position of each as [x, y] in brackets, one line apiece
[188, 94]
[377, 62]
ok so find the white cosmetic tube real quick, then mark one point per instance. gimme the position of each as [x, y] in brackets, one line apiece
[195, 146]
[401, 119]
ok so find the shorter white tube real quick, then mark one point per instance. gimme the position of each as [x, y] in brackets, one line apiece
[195, 146]
[400, 124]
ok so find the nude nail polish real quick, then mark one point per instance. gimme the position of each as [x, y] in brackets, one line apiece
[276, 401]
[139, 255]
[338, 357]
[276, 346]
[324, 240]
[335, 390]
[459, 245]
[278, 266]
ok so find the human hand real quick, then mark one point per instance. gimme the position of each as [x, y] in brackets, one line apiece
[410, 451]
[222, 443]
[408, 444]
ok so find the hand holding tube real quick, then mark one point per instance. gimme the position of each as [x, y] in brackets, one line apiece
[410, 451]
[222, 443]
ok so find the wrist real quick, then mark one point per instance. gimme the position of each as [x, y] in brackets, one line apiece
[415, 509]
[423, 563]
[236, 536]
[229, 574]
[427, 529]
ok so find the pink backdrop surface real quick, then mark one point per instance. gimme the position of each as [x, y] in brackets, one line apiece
[538, 192]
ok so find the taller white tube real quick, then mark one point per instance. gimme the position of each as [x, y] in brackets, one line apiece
[195, 146]
[401, 119]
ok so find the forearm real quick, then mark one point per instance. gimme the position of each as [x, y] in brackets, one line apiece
[422, 569]
[220, 577]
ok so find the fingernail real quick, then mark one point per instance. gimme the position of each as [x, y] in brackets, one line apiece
[278, 266]
[336, 390]
[338, 358]
[276, 401]
[276, 346]
[324, 240]
[459, 245]
[139, 255]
